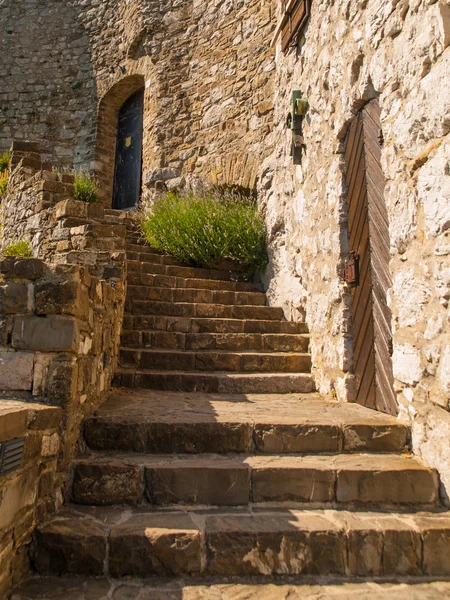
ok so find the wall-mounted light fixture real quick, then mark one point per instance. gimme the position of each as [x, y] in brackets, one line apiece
[294, 122]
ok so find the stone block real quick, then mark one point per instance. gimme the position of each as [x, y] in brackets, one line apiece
[109, 482]
[50, 445]
[273, 439]
[104, 434]
[392, 483]
[5, 330]
[19, 493]
[14, 298]
[53, 333]
[402, 550]
[62, 381]
[22, 268]
[374, 437]
[365, 551]
[436, 544]
[272, 544]
[199, 437]
[13, 421]
[70, 208]
[198, 481]
[285, 482]
[43, 417]
[16, 370]
[25, 147]
[61, 297]
[69, 545]
[155, 544]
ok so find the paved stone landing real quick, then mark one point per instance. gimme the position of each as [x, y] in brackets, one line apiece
[55, 588]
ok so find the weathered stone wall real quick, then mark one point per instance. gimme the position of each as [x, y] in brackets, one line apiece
[28, 493]
[47, 86]
[59, 337]
[39, 207]
[351, 52]
[206, 67]
[60, 324]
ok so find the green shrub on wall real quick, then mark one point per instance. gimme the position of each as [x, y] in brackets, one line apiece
[202, 228]
[21, 248]
[4, 169]
[3, 183]
[85, 187]
[4, 162]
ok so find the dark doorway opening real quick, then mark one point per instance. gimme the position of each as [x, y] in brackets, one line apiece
[128, 165]
[369, 241]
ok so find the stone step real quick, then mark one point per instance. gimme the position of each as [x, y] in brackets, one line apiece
[213, 382]
[141, 248]
[202, 310]
[271, 342]
[86, 588]
[148, 421]
[147, 279]
[380, 480]
[239, 362]
[166, 294]
[146, 255]
[210, 325]
[136, 266]
[265, 543]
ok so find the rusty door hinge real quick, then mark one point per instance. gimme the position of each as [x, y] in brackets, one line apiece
[350, 271]
[390, 347]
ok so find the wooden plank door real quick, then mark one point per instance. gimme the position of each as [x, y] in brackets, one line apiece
[369, 239]
[128, 167]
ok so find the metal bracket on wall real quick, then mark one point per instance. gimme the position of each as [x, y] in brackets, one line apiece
[11, 453]
[350, 271]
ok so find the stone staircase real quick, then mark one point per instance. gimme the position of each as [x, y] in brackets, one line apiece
[197, 330]
[215, 458]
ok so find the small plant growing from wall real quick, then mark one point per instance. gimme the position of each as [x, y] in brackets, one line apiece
[204, 227]
[21, 249]
[85, 187]
[4, 172]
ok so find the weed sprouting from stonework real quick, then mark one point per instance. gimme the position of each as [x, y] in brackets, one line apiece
[85, 187]
[4, 162]
[3, 183]
[21, 248]
[4, 171]
[203, 227]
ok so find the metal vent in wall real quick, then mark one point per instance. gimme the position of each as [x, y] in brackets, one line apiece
[11, 453]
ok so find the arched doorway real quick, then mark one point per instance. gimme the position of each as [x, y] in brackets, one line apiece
[369, 244]
[128, 162]
[108, 116]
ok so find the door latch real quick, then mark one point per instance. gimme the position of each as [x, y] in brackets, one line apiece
[350, 271]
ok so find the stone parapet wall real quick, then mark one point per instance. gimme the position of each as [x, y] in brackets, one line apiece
[60, 322]
[28, 493]
[39, 207]
[59, 337]
[350, 53]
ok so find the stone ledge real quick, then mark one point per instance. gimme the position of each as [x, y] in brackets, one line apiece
[81, 588]
[264, 543]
